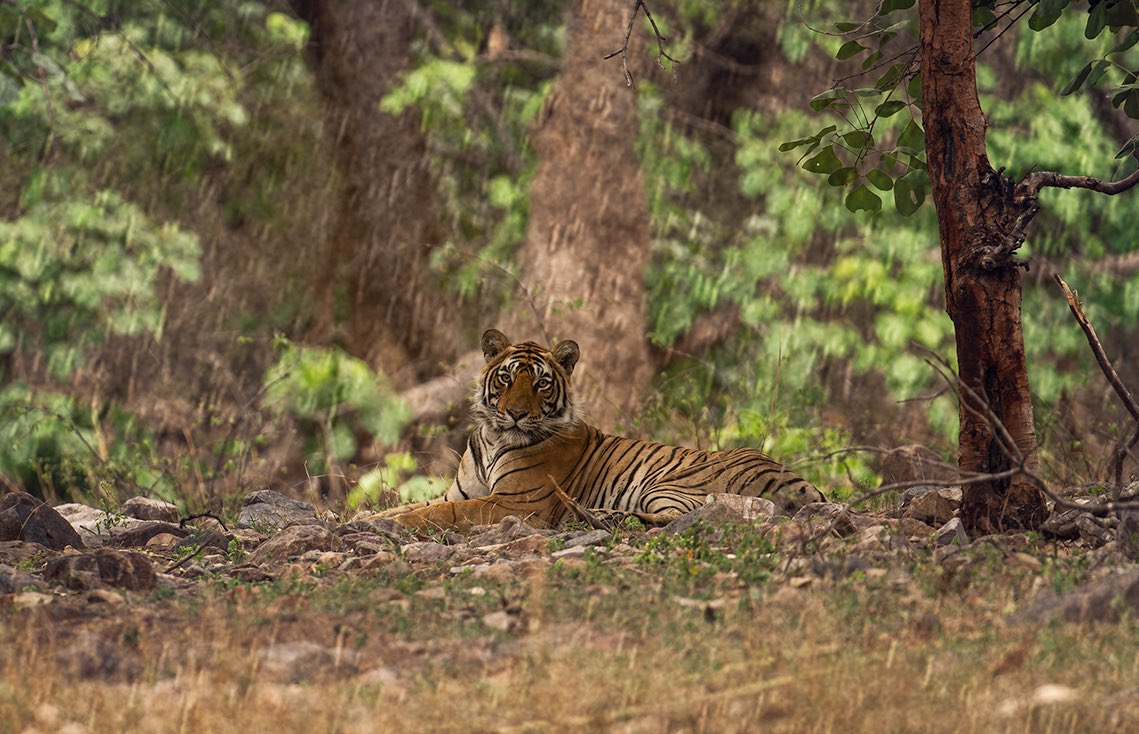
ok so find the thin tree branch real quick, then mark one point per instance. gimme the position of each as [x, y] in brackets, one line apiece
[1105, 365]
[1031, 184]
[624, 50]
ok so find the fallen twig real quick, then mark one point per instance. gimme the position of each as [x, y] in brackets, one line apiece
[577, 509]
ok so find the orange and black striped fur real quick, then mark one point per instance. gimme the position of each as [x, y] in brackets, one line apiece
[530, 441]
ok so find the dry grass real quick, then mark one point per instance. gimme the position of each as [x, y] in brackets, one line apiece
[910, 647]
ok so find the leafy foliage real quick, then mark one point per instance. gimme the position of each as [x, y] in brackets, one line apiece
[335, 400]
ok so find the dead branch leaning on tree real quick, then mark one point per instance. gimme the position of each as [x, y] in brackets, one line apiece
[1123, 447]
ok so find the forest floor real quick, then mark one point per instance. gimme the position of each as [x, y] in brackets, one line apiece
[844, 622]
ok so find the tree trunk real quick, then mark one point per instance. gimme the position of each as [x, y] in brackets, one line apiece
[976, 216]
[587, 243]
[376, 274]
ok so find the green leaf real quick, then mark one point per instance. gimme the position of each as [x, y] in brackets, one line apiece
[913, 87]
[44, 24]
[890, 6]
[872, 59]
[910, 191]
[845, 26]
[793, 144]
[983, 17]
[1041, 19]
[880, 179]
[912, 139]
[1122, 15]
[1077, 81]
[858, 139]
[1128, 147]
[862, 198]
[849, 49]
[1128, 41]
[1131, 106]
[892, 76]
[1097, 20]
[821, 101]
[889, 108]
[824, 162]
[842, 176]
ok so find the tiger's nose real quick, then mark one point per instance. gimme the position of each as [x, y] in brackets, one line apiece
[517, 413]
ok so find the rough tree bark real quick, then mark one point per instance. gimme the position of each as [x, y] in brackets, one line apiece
[979, 221]
[376, 258]
[587, 242]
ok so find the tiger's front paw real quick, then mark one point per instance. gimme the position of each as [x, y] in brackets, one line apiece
[395, 512]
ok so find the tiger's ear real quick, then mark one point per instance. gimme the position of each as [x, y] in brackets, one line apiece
[566, 354]
[493, 342]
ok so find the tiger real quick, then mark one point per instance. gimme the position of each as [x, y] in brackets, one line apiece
[531, 454]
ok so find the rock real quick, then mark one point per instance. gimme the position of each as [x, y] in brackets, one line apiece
[163, 541]
[752, 508]
[577, 551]
[383, 529]
[202, 539]
[24, 517]
[18, 551]
[1062, 524]
[297, 662]
[1092, 531]
[591, 537]
[1127, 535]
[511, 528]
[29, 599]
[818, 516]
[501, 620]
[96, 527]
[915, 463]
[950, 532]
[120, 569]
[268, 510]
[1105, 600]
[145, 508]
[427, 552]
[142, 534]
[711, 514]
[14, 581]
[294, 541]
[933, 508]
[91, 656]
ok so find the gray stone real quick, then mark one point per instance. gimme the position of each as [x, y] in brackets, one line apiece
[298, 662]
[1127, 535]
[120, 569]
[1105, 600]
[295, 540]
[591, 537]
[752, 508]
[1062, 523]
[932, 508]
[27, 518]
[915, 463]
[14, 581]
[146, 508]
[1092, 531]
[96, 527]
[716, 514]
[952, 531]
[271, 510]
[141, 534]
[511, 528]
[819, 515]
[427, 552]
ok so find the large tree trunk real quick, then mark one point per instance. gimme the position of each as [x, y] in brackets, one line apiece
[976, 216]
[583, 262]
[376, 274]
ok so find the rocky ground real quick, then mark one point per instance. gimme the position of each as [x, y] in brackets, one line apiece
[140, 596]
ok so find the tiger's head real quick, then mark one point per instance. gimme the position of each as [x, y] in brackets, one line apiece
[524, 393]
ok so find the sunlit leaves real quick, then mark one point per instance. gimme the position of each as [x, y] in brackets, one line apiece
[910, 192]
[825, 161]
[75, 271]
[863, 199]
[1047, 12]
